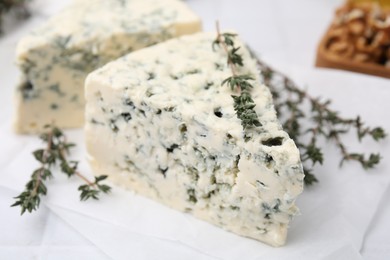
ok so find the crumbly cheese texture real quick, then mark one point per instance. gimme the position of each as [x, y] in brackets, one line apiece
[159, 122]
[55, 58]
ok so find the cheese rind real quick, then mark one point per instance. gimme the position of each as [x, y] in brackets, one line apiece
[55, 58]
[159, 122]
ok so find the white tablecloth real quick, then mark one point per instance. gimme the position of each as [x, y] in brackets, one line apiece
[285, 34]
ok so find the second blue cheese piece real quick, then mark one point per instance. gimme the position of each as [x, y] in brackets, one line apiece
[55, 58]
[159, 122]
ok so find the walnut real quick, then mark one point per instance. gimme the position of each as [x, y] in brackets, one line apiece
[361, 32]
[356, 27]
[338, 46]
[381, 39]
[361, 57]
[355, 14]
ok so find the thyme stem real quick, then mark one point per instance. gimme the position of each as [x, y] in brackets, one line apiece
[77, 173]
[219, 38]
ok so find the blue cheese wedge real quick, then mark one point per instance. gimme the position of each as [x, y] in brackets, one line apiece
[159, 122]
[55, 58]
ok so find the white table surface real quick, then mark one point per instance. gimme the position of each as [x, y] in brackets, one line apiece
[284, 32]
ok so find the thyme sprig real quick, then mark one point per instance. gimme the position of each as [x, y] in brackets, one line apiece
[18, 6]
[55, 154]
[243, 104]
[307, 127]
